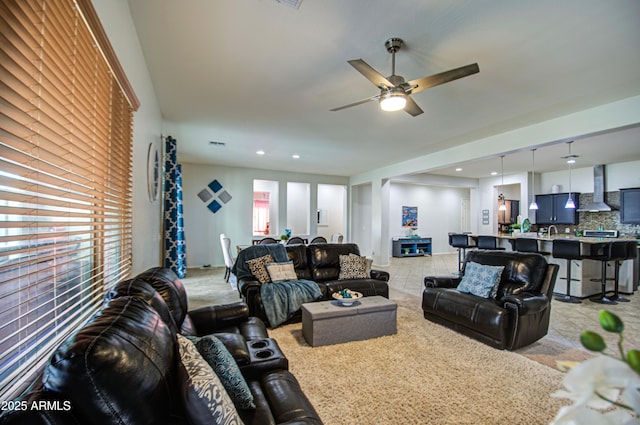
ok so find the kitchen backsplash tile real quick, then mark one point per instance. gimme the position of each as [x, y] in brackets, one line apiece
[609, 220]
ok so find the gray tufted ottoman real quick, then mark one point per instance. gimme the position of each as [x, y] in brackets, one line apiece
[326, 322]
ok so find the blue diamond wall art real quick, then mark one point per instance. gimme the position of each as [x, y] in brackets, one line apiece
[214, 196]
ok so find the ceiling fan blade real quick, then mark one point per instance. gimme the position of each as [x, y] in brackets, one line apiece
[415, 86]
[360, 102]
[412, 107]
[370, 74]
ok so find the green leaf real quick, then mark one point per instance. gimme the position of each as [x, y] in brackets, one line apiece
[610, 322]
[592, 341]
[633, 358]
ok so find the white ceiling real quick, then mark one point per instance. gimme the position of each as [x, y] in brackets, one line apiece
[255, 74]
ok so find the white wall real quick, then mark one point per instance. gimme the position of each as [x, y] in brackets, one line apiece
[147, 128]
[298, 213]
[439, 211]
[332, 200]
[361, 218]
[203, 228]
[616, 176]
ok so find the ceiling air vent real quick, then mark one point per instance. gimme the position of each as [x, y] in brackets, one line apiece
[294, 4]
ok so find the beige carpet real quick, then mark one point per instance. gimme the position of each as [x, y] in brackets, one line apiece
[425, 374]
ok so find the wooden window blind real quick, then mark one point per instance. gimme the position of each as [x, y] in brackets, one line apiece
[65, 178]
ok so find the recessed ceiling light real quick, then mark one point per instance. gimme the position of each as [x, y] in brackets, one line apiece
[260, 152]
[295, 156]
[458, 169]
[494, 173]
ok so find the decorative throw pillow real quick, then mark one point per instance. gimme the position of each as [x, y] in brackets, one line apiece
[369, 264]
[479, 279]
[223, 364]
[258, 268]
[206, 400]
[279, 272]
[353, 267]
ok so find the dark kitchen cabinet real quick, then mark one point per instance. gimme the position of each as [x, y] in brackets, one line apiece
[551, 209]
[630, 206]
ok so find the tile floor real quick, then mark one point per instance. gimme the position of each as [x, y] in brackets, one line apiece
[407, 275]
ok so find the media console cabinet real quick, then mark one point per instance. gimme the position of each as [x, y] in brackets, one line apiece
[411, 247]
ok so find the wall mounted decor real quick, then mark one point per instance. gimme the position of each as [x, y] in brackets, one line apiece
[153, 172]
[485, 217]
[409, 216]
[215, 191]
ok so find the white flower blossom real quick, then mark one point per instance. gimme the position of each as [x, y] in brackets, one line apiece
[590, 383]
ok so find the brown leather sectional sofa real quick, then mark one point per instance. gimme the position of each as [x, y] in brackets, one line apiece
[321, 264]
[124, 365]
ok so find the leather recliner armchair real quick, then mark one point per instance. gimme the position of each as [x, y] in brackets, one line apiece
[517, 314]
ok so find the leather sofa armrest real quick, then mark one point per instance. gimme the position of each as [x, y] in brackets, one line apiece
[380, 275]
[207, 320]
[250, 293]
[289, 405]
[236, 345]
[245, 283]
[526, 303]
[441, 281]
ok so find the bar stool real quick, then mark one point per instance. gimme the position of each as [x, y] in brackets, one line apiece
[527, 245]
[569, 250]
[461, 242]
[487, 242]
[620, 252]
[602, 252]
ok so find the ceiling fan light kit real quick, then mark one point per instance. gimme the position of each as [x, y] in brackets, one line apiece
[393, 100]
[394, 90]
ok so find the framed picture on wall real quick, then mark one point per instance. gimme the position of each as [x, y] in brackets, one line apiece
[409, 216]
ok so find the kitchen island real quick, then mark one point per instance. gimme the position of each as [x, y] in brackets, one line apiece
[586, 272]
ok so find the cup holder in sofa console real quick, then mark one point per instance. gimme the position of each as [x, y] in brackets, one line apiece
[258, 344]
[264, 354]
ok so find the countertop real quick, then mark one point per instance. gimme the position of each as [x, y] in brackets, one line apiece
[546, 238]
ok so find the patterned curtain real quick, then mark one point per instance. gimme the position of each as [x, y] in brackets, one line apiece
[175, 250]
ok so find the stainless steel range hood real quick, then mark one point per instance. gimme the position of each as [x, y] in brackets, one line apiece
[598, 203]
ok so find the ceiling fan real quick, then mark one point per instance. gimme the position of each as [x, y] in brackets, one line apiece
[394, 90]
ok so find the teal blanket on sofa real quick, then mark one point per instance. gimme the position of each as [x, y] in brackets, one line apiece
[282, 299]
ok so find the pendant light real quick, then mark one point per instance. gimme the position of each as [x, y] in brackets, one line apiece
[534, 204]
[570, 160]
[503, 206]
